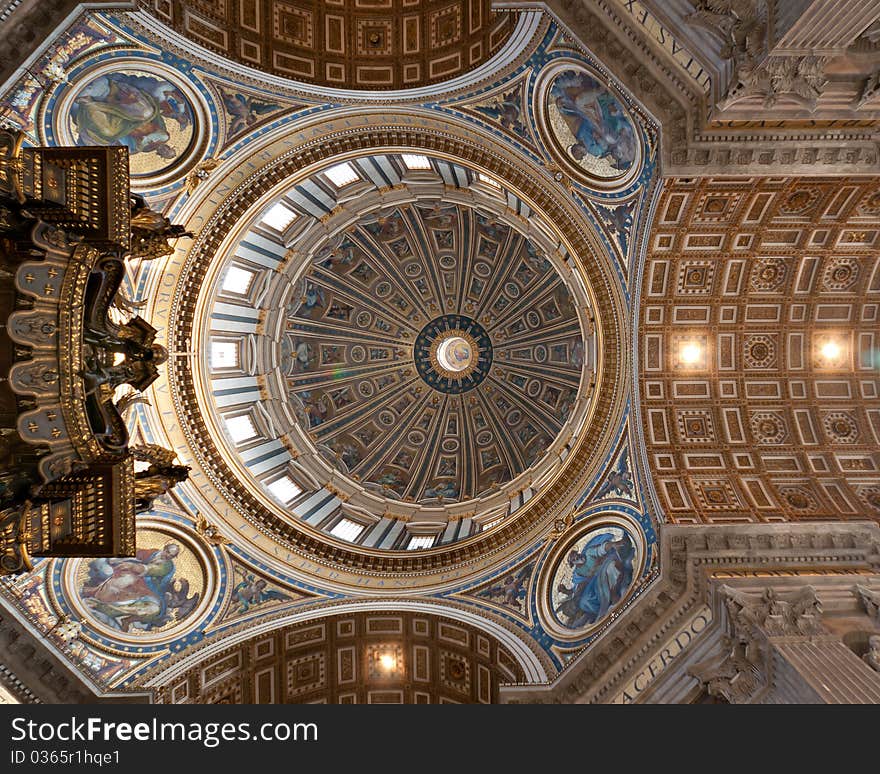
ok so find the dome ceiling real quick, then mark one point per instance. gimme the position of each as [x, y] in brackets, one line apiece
[378, 353]
[348, 44]
[412, 349]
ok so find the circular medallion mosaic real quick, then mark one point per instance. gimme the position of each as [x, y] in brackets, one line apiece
[453, 354]
[158, 591]
[592, 133]
[591, 575]
[144, 107]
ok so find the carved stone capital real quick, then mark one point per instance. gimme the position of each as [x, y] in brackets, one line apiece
[870, 90]
[773, 613]
[872, 657]
[739, 673]
[798, 78]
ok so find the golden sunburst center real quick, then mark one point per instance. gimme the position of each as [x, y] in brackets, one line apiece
[454, 354]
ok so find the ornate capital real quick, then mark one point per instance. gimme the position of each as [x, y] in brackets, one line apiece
[741, 671]
[870, 600]
[738, 674]
[872, 657]
[773, 613]
[741, 26]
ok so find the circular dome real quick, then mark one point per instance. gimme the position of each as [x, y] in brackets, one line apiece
[274, 238]
[442, 410]
[421, 348]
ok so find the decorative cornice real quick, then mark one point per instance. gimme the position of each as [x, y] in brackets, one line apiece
[688, 146]
[690, 555]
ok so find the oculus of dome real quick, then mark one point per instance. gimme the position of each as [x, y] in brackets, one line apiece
[453, 354]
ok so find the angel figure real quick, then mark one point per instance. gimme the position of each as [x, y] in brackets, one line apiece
[244, 111]
[507, 110]
[159, 477]
[511, 589]
[201, 171]
[252, 591]
[209, 532]
[618, 481]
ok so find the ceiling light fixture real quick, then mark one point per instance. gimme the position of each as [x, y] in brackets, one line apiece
[690, 353]
[830, 350]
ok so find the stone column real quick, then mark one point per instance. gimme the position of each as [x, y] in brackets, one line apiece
[826, 26]
[776, 650]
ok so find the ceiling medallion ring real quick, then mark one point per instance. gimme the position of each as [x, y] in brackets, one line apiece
[590, 574]
[75, 114]
[604, 292]
[453, 354]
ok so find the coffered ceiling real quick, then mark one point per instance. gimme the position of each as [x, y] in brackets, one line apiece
[354, 44]
[774, 284]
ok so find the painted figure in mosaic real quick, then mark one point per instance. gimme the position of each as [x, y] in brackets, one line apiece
[511, 590]
[252, 591]
[595, 119]
[442, 489]
[244, 111]
[138, 593]
[507, 110]
[601, 572]
[131, 110]
[619, 481]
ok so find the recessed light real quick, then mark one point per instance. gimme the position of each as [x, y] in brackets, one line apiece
[690, 353]
[830, 350]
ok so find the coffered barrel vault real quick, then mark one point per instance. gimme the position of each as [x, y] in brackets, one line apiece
[775, 285]
[359, 658]
[354, 44]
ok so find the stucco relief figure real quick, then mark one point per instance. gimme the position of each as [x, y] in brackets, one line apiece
[591, 125]
[139, 593]
[145, 113]
[872, 657]
[594, 577]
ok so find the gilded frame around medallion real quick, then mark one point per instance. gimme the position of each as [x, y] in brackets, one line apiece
[550, 134]
[557, 557]
[199, 112]
[66, 575]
